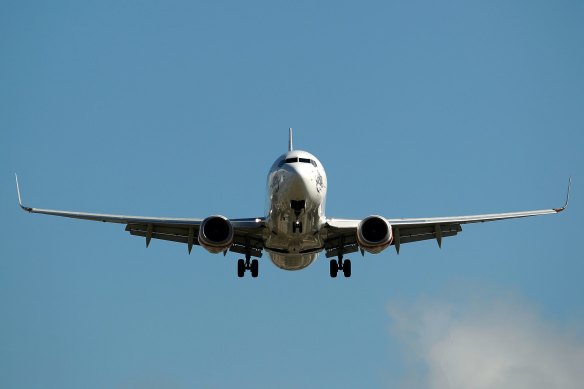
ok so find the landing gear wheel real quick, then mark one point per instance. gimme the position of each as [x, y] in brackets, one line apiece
[254, 268]
[240, 268]
[347, 268]
[334, 268]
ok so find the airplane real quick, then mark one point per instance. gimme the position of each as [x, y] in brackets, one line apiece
[295, 229]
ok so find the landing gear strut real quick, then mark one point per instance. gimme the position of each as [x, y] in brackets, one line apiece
[247, 264]
[340, 264]
[297, 226]
[297, 206]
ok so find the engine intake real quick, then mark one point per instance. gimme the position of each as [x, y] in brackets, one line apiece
[374, 234]
[216, 234]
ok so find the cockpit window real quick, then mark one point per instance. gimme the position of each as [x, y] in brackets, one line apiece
[295, 160]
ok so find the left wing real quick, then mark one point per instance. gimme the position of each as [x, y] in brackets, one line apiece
[341, 234]
[248, 233]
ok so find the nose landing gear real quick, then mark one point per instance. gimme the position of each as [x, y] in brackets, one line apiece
[297, 206]
[297, 226]
[340, 264]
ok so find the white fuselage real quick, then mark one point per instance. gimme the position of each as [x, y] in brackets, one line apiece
[296, 199]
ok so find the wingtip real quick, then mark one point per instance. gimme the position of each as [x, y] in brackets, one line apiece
[567, 197]
[18, 190]
[19, 197]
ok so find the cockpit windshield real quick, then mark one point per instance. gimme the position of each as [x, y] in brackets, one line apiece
[297, 160]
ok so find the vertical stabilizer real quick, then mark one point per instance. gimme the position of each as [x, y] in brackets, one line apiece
[290, 145]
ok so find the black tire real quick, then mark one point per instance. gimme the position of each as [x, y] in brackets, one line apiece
[255, 268]
[347, 268]
[334, 268]
[240, 268]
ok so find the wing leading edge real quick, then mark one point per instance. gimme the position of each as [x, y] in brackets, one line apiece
[341, 233]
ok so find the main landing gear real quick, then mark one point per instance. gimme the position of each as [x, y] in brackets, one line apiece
[247, 264]
[344, 266]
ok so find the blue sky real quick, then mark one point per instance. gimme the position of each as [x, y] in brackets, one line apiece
[178, 108]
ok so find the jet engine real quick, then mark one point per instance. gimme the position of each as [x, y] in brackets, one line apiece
[374, 234]
[216, 234]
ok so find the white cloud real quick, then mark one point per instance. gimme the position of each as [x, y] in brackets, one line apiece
[485, 343]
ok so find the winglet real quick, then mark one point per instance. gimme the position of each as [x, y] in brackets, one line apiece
[20, 198]
[290, 145]
[567, 197]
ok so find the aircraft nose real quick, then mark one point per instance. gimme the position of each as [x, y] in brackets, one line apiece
[297, 182]
[295, 169]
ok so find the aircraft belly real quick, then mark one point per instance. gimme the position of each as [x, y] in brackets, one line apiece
[292, 261]
[283, 237]
[293, 250]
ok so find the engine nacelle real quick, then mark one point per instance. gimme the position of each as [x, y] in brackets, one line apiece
[216, 234]
[374, 234]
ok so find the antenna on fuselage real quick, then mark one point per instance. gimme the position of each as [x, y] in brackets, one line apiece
[290, 146]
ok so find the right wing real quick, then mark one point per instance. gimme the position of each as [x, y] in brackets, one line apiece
[248, 233]
[341, 234]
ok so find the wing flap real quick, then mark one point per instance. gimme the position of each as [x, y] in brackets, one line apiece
[157, 235]
[162, 229]
[406, 235]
